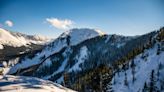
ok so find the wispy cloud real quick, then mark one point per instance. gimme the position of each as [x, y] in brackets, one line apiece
[9, 23]
[60, 24]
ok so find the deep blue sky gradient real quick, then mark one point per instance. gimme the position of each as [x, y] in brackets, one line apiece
[125, 17]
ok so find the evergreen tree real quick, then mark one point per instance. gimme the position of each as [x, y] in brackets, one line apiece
[158, 70]
[158, 50]
[126, 81]
[133, 70]
[145, 89]
[153, 87]
[66, 79]
[68, 40]
[133, 75]
[101, 81]
[110, 87]
[114, 80]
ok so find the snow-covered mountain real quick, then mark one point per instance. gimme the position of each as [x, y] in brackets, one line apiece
[66, 54]
[10, 83]
[67, 39]
[16, 39]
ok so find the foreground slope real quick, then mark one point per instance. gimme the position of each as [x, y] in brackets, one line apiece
[143, 73]
[10, 83]
[140, 72]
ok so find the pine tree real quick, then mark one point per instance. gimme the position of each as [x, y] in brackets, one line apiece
[101, 81]
[153, 87]
[66, 79]
[133, 75]
[110, 87]
[158, 70]
[145, 89]
[158, 50]
[114, 80]
[160, 66]
[126, 81]
[68, 40]
[133, 70]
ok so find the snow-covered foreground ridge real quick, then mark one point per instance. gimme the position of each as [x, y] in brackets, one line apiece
[10, 83]
[16, 39]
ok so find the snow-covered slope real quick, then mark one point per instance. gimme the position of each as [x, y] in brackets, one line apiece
[16, 39]
[80, 59]
[68, 38]
[141, 73]
[10, 83]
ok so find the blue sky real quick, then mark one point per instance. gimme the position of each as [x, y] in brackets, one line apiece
[125, 17]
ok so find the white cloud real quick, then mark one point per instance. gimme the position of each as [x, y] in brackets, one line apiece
[60, 24]
[9, 23]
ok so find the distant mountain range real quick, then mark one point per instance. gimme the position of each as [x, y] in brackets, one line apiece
[16, 39]
[88, 60]
[14, 44]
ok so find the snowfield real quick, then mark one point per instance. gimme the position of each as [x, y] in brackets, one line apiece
[10, 83]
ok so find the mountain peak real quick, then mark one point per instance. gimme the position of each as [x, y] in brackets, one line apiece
[78, 35]
[88, 29]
